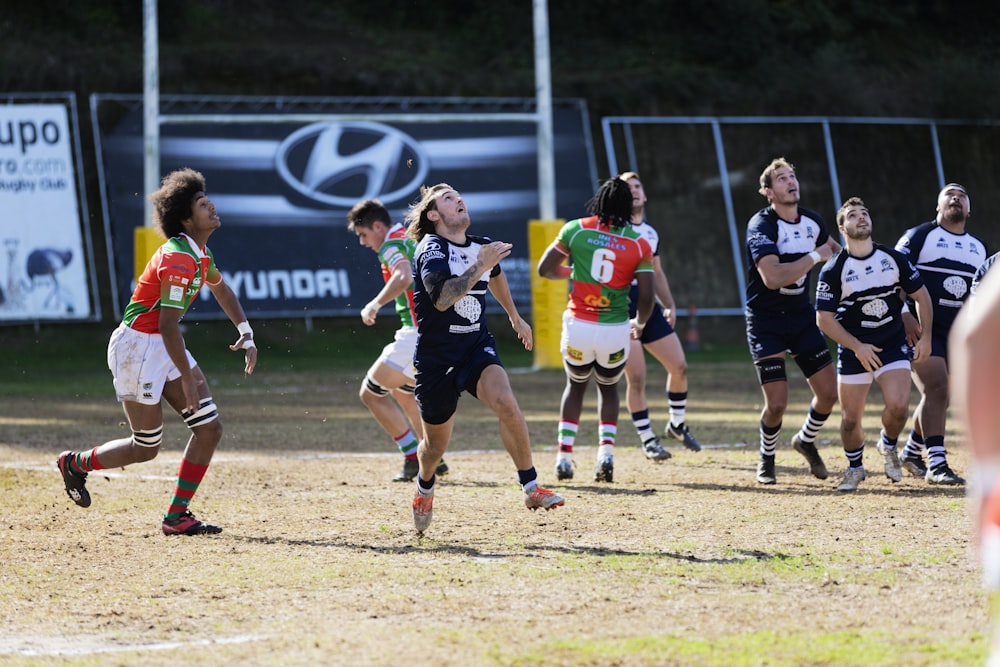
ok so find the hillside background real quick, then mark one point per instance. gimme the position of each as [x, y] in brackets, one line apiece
[716, 57]
[930, 59]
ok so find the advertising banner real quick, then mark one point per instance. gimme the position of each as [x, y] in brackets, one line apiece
[283, 178]
[46, 270]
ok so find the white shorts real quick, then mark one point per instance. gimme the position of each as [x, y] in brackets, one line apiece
[398, 354]
[140, 365]
[585, 342]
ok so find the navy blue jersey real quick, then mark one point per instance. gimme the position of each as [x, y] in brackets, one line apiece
[445, 337]
[865, 293]
[768, 234]
[981, 273]
[948, 262]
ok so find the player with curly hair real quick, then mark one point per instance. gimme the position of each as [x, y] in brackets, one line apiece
[149, 360]
[601, 254]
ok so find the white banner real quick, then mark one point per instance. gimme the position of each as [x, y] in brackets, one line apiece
[43, 262]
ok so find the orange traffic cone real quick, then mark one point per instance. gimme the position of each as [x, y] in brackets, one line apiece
[691, 340]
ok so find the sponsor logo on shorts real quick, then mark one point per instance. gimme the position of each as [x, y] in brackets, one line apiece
[574, 354]
[615, 357]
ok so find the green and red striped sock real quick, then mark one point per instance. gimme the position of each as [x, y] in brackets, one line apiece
[189, 476]
[84, 462]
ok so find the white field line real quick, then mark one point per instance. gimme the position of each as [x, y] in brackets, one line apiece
[90, 645]
[223, 458]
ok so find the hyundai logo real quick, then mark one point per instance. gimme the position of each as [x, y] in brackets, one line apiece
[340, 163]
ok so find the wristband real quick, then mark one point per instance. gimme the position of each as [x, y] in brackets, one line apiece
[637, 325]
[244, 328]
[816, 257]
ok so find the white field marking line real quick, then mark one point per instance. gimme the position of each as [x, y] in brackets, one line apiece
[83, 645]
[489, 558]
[223, 458]
[452, 452]
[116, 473]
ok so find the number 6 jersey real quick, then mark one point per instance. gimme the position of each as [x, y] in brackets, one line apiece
[605, 260]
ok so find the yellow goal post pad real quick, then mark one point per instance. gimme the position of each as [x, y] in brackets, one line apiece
[548, 297]
[147, 240]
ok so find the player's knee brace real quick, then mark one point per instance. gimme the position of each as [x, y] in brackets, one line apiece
[374, 387]
[608, 376]
[206, 412]
[148, 438]
[579, 373]
[811, 363]
[771, 370]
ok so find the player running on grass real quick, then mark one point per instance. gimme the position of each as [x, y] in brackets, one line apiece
[391, 376]
[150, 362]
[455, 351]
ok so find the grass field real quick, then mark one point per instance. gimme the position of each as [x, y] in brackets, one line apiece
[688, 562]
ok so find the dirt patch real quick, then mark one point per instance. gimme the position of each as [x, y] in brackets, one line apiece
[687, 562]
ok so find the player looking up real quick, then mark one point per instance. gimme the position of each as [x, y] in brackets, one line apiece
[948, 257]
[149, 359]
[660, 340]
[783, 244]
[858, 305]
[387, 390]
[455, 350]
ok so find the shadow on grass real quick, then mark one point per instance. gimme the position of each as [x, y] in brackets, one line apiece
[791, 481]
[426, 544]
[828, 487]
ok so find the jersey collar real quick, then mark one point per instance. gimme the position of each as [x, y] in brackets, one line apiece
[198, 252]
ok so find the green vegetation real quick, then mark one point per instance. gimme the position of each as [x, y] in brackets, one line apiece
[741, 57]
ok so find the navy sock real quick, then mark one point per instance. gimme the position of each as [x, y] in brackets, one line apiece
[428, 485]
[527, 476]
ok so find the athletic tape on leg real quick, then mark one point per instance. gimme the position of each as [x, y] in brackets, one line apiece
[149, 438]
[205, 413]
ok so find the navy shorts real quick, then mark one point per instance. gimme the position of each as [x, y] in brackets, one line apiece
[795, 333]
[439, 387]
[657, 327]
[848, 364]
[939, 346]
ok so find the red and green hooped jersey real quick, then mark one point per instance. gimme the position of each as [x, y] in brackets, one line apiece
[172, 279]
[604, 262]
[396, 247]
